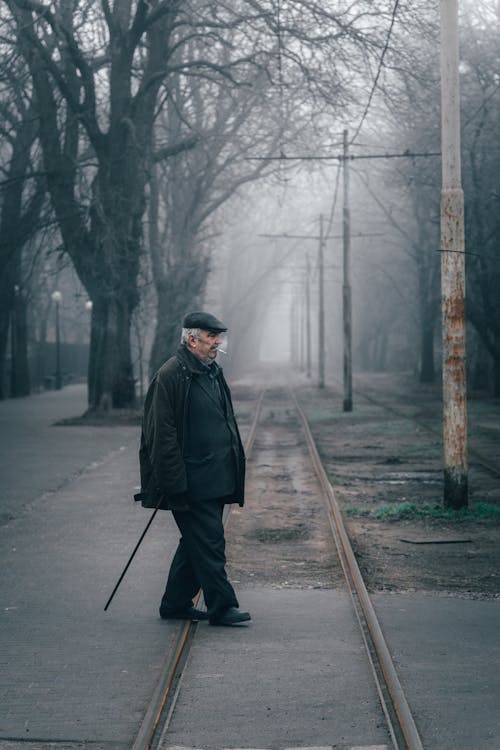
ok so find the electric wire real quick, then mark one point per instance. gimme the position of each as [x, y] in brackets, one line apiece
[379, 71]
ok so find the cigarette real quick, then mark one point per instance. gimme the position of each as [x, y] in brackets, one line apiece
[222, 351]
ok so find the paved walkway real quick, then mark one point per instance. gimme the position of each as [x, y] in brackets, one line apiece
[69, 671]
[71, 674]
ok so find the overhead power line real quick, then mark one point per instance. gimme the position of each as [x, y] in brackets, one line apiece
[286, 236]
[379, 70]
[340, 157]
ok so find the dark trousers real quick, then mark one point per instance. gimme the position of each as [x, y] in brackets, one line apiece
[199, 561]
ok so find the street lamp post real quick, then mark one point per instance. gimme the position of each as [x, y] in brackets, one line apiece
[57, 298]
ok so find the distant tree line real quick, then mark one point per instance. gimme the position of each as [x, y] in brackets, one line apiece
[409, 199]
[127, 124]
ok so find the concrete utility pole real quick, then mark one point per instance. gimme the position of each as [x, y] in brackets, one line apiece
[308, 317]
[321, 298]
[346, 287]
[294, 330]
[452, 269]
[303, 326]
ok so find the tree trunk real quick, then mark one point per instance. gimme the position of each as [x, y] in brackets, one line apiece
[4, 338]
[168, 329]
[19, 372]
[496, 377]
[105, 241]
[427, 368]
[18, 219]
[110, 373]
[180, 292]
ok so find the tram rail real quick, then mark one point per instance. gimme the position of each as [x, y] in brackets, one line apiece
[377, 645]
[164, 690]
[400, 723]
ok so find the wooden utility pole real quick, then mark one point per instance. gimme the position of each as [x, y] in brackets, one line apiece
[346, 286]
[452, 269]
[321, 298]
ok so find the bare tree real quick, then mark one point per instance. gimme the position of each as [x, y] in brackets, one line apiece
[481, 112]
[406, 189]
[190, 190]
[410, 89]
[100, 73]
[96, 77]
[284, 103]
[22, 198]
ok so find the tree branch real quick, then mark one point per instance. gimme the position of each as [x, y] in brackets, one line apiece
[177, 148]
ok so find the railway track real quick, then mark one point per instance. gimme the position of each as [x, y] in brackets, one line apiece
[163, 699]
[400, 725]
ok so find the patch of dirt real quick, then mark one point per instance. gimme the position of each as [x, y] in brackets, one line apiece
[460, 558]
[281, 536]
[378, 458]
[375, 458]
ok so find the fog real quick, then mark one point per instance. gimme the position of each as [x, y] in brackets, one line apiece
[269, 252]
[266, 254]
[221, 203]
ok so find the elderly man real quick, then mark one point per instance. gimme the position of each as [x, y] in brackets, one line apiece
[192, 463]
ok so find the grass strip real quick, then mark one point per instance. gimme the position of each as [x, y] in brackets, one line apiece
[409, 511]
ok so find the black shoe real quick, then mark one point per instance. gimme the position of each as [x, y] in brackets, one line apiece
[230, 616]
[188, 613]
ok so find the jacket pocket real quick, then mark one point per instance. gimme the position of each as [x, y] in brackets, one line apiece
[211, 476]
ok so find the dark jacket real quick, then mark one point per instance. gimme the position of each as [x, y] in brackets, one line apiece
[176, 467]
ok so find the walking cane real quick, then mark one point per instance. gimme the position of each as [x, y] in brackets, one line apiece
[132, 556]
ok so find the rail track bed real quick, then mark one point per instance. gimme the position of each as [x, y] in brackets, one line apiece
[312, 669]
[281, 537]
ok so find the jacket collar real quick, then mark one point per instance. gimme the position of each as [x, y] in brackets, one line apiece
[192, 363]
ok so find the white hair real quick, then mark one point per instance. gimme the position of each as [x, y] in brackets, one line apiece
[187, 332]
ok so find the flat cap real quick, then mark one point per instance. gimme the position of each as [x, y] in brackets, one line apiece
[203, 320]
